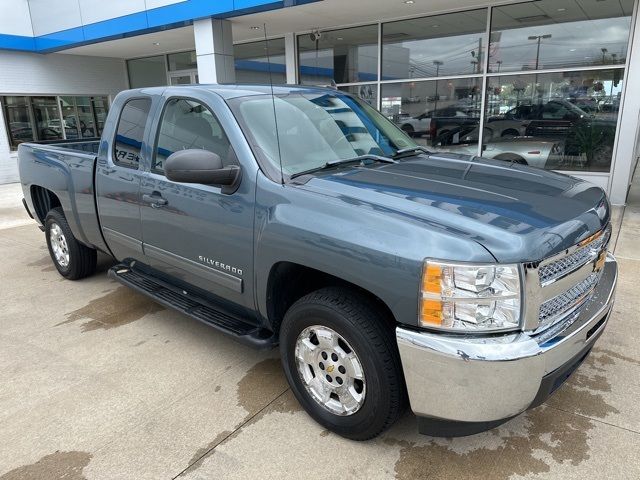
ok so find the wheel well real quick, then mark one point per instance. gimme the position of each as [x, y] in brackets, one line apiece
[288, 282]
[511, 157]
[43, 201]
[510, 131]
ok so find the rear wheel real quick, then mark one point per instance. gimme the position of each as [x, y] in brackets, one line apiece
[408, 129]
[72, 259]
[509, 133]
[341, 361]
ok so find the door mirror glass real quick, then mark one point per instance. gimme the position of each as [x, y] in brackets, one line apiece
[201, 166]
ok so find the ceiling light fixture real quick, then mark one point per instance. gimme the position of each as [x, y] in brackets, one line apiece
[409, 2]
[255, 27]
[562, 10]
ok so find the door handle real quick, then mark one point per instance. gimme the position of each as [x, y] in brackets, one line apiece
[155, 199]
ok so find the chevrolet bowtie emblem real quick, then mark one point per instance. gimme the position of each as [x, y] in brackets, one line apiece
[330, 368]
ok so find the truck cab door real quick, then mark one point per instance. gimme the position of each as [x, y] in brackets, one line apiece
[193, 233]
[119, 171]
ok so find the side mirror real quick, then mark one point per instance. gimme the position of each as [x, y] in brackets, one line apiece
[201, 166]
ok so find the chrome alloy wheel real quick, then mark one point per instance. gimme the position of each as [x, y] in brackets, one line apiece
[330, 370]
[59, 245]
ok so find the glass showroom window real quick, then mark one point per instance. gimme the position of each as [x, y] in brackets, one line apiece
[560, 121]
[349, 55]
[182, 61]
[442, 45]
[147, 72]
[19, 120]
[100, 109]
[31, 119]
[83, 117]
[252, 64]
[47, 118]
[43, 119]
[552, 34]
[444, 114]
[367, 92]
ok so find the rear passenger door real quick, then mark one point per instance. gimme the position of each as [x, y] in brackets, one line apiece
[193, 232]
[118, 175]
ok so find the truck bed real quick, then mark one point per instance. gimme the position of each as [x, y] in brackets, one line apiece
[68, 170]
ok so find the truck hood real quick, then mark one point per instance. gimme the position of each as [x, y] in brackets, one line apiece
[518, 213]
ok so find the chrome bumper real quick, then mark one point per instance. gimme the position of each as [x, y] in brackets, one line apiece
[487, 379]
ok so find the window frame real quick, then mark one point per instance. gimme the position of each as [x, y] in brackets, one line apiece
[58, 98]
[159, 128]
[115, 133]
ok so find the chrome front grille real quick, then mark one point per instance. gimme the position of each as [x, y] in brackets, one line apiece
[589, 251]
[559, 285]
[566, 302]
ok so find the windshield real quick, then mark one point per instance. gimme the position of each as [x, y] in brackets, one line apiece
[314, 128]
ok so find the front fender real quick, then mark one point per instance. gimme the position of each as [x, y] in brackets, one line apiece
[382, 253]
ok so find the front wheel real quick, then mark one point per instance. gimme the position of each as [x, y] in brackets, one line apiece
[72, 259]
[408, 129]
[341, 361]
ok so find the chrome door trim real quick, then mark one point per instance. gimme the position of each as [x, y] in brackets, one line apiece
[210, 274]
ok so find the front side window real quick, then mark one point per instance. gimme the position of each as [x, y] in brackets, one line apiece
[313, 129]
[189, 124]
[130, 133]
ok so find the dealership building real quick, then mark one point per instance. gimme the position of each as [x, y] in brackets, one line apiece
[550, 83]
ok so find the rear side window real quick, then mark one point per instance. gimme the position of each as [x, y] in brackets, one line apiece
[129, 135]
[189, 124]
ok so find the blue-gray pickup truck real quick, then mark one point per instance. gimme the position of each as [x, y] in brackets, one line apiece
[301, 217]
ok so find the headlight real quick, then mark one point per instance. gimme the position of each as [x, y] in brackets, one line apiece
[463, 297]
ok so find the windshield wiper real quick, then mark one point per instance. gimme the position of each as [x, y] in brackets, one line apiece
[361, 159]
[403, 152]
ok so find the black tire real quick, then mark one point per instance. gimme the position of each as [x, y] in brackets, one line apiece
[82, 259]
[510, 133]
[372, 339]
[408, 129]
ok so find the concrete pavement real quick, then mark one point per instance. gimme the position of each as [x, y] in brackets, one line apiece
[98, 382]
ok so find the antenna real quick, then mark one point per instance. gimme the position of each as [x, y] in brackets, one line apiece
[273, 101]
[315, 37]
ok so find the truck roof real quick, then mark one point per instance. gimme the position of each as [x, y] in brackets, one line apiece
[228, 91]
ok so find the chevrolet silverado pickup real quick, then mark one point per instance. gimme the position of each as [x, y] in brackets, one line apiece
[301, 217]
